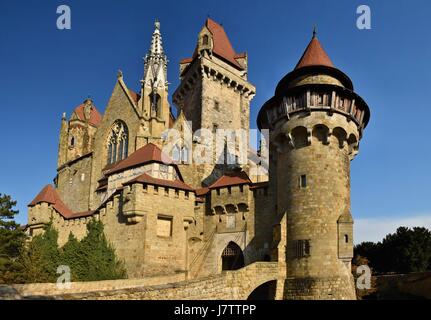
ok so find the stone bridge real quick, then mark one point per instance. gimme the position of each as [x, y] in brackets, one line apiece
[229, 285]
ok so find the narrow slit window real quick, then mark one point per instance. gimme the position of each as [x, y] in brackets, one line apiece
[303, 181]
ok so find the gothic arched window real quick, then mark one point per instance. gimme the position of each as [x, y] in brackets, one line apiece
[184, 155]
[156, 107]
[118, 142]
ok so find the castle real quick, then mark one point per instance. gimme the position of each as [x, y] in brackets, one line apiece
[166, 213]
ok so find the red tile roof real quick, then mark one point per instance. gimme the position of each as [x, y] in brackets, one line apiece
[95, 116]
[314, 55]
[231, 179]
[221, 45]
[148, 153]
[202, 191]
[147, 179]
[135, 96]
[50, 196]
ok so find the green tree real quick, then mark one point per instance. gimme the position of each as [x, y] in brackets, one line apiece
[74, 257]
[98, 255]
[407, 250]
[12, 239]
[41, 257]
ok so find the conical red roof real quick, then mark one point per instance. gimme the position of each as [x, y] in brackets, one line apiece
[314, 55]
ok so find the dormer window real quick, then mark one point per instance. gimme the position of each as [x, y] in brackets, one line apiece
[205, 40]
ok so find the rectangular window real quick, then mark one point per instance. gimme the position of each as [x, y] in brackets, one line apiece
[302, 248]
[303, 181]
[164, 226]
[216, 105]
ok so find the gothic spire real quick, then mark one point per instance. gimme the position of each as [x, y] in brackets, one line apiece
[155, 61]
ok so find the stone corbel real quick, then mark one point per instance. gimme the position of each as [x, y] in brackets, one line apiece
[134, 216]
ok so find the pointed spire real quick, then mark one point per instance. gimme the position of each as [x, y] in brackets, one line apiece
[156, 61]
[314, 54]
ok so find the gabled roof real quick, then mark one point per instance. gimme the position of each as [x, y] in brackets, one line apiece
[231, 179]
[221, 45]
[49, 195]
[148, 153]
[95, 116]
[147, 179]
[314, 55]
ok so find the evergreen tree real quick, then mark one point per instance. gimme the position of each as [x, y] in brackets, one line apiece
[12, 240]
[407, 250]
[74, 257]
[99, 256]
[41, 258]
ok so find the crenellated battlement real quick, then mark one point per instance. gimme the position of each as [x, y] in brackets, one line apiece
[306, 99]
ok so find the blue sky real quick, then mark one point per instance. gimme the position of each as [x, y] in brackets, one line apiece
[45, 71]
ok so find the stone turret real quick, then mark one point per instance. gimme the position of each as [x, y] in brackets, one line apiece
[316, 121]
[215, 93]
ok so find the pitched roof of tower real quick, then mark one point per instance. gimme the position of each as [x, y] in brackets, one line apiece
[314, 55]
[148, 153]
[147, 179]
[49, 195]
[222, 46]
[231, 179]
[95, 116]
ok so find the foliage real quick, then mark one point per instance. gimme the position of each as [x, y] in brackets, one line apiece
[407, 250]
[92, 258]
[12, 239]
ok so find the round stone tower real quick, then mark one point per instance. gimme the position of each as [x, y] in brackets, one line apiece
[316, 121]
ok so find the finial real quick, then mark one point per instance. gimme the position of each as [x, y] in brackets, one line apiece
[119, 74]
[63, 116]
[157, 24]
[314, 31]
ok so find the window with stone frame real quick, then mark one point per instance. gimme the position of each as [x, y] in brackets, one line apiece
[301, 248]
[164, 226]
[118, 142]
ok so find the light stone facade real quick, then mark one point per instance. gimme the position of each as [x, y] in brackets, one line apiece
[167, 218]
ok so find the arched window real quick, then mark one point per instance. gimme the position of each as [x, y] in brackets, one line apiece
[346, 238]
[72, 142]
[155, 104]
[184, 155]
[176, 153]
[118, 142]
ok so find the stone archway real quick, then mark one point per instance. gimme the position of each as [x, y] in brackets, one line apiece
[266, 291]
[232, 257]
